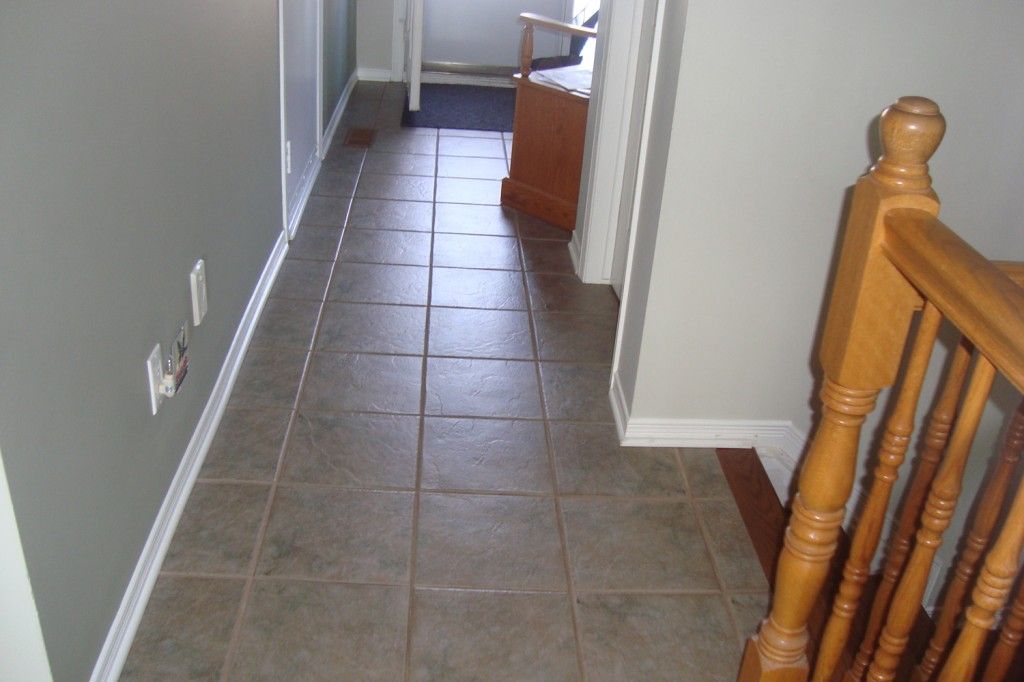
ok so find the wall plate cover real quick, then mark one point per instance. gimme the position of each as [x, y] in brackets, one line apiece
[197, 280]
[155, 375]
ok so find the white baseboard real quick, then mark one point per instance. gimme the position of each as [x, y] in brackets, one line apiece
[365, 74]
[574, 253]
[126, 621]
[778, 443]
[466, 79]
[309, 173]
[339, 109]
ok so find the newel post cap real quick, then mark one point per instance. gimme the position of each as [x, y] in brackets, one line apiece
[911, 130]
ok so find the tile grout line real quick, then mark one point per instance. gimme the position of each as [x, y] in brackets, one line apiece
[236, 630]
[410, 619]
[552, 470]
[695, 509]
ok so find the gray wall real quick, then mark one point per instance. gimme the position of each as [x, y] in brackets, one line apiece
[137, 137]
[339, 51]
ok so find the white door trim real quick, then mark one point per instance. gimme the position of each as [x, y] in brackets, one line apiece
[613, 107]
[321, 151]
[284, 123]
[398, 41]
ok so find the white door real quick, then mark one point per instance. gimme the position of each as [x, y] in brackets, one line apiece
[413, 51]
[299, 134]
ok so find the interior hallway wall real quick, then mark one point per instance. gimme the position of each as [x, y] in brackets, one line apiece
[339, 52]
[137, 137]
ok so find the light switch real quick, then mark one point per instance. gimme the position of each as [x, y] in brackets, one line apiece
[197, 278]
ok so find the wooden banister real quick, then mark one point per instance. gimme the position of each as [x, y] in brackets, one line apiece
[974, 294]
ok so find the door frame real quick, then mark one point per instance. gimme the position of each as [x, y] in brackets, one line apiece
[611, 158]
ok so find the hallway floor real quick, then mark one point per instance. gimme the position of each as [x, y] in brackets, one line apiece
[417, 476]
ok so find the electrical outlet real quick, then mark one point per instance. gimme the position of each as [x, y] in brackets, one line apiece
[155, 376]
[197, 282]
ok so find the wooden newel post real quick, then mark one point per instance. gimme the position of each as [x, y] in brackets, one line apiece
[526, 50]
[865, 331]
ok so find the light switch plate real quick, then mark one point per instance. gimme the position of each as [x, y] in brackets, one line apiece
[155, 374]
[200, 304]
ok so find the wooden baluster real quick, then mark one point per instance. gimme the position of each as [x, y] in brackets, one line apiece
[937, 513]
[865, 332]
[989, 509]
[1009, 639]
[936, 435]
[989, 595]
[526, 53]
[894, 446]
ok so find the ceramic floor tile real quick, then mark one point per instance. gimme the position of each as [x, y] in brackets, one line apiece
[371, 328]
[335, 183]
[459, 132]
[485, 454]
[488, 541]
[475, 219]
[338, 534]
[247, 445]
[469, 146]
[482, 388]
[318, 631]
[589, 460]
[494, 289]
[404, 187]
[704, 473]
[575, 338]
[576, 392]
[286, 323]
[749, 610]
[394, 247]
[471, 167]
[458, 635]
[566, 293]
[535, 228]
[301, 279]
[342, 158]
[375, 283]
[464, 191]
[476, 333]
[217, 529]
[268, 378]
[625, 544]
[327, 211]
[541, 255]
[657, 637]
[353, 450]
[314, 243]
[737, 562]
[385, 214]
[476, 251]
[350, 382]
[185, 630]
[404, 142]
[400, 164]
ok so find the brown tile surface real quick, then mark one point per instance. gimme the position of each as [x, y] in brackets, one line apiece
[541, 255]
[470, 146]
[400, 164]
[589, 460]
[704, 473]
[348, 535]
[374, 283]
[482, 388]
[328, 211]
[535, 228]
[471, 167]
[566, 293]
[351, 382]
[335, 183]
[476, 251]
[466, 191]
[469, 332]
[286, 323]
[302, 279]
[575, 338]
[372, 328]
[404, 187]
[385, 246]
[314, 243]
[633, 545]
[734, 553]
[355, 450]
[485, 454]
[405, 142]
[497, 289]
[318, 631]
[749, 609]
[383, 214]
[185, 630]
[268, 378]
[488, 541]
[475, 219]
[217, 529]
[247, 445]
[657, 637]
[576, 392]
[459, 634]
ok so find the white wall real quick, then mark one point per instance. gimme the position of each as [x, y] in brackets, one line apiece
[374, 19]
[772, 122]
[300, 99]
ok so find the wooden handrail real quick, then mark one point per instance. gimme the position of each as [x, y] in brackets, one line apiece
[560, 26]
[972, 292]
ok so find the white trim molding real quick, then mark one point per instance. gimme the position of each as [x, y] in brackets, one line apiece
[339, 110]
[380, 75]
[447, 78]
[129, 614]
[305, 188]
